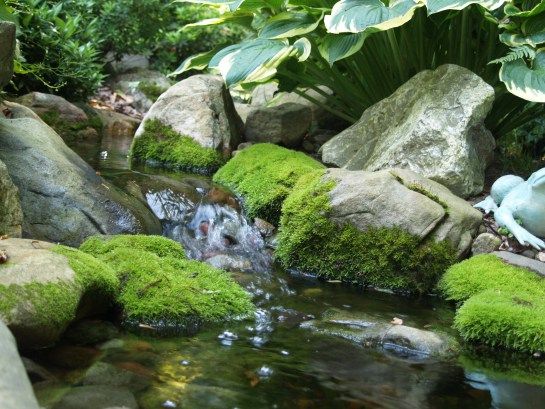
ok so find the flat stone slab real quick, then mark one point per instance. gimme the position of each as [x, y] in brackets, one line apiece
[521, 261]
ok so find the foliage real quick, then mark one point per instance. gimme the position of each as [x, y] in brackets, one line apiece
[264, 175]
[161, 287]
[365, 49]
[502, 305]
[161, 144]
[383, 257]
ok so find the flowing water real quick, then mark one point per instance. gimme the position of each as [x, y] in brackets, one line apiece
[272, 360]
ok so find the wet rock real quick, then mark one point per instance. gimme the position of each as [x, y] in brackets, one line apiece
[432, 125]
[136, 85]
[102, 373]
[11, 214]
[72, 357]
[485, 243]
[37, 373]
[117, 125]
[97, 397]
[400, 339]
[7, 52]
[199, 107]
[15, 389]
[62, 198]
[285, 124]
[265, 228]
[229, 263]
[90, 332]
[521, 261]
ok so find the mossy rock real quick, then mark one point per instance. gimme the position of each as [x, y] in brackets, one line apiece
[159, 144]
[162, 288]
[310, 239]
[43, 288]
[264, 175]
[503, 305]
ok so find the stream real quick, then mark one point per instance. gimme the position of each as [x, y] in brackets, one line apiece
[272, 361]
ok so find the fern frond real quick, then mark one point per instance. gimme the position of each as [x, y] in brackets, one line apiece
[516, 53]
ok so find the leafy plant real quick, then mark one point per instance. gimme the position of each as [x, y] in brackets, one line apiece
[364, 49]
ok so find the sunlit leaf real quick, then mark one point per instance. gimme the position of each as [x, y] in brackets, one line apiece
[515, 40]
[195, 62]
[527, 82]
[335, 47]
[288, 24]
[436, 6]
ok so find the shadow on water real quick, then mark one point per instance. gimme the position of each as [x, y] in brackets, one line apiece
[271, 361]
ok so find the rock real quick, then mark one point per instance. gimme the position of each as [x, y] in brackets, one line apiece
[485, 243]
[229, 263]
[11, 215]
[401, 198]
[90, 332]
[116, 125]
[199, 107]
[521, 261]
[127, 62]
[15, 388]
[62, 198]
[37, 373]
[401, 339]
[48, 104]
[432, 125]
[97, 397]
[7, 52]
[285, 124]
[72, 357]
[263, 94]
[244, 145]
[529, 253]
[541, 256]
[40, 293]
[244, 110]
[265, 228]
[102, 373]
[143, 86]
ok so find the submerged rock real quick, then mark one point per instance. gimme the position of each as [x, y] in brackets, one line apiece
[43, 288]
[62, 198]
[15, 388]
[11, 214]
[97, 397]
[102, 373]
[400, 339]
[432, 125]
[390, 229]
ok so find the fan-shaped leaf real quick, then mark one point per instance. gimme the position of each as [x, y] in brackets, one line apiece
[524, 81]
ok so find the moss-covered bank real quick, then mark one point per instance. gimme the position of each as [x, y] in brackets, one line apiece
[502, 305]
[384, 257]
[160, 144]
[161, 287]
[263, 175]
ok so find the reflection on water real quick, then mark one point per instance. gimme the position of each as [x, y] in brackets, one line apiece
[270, 361]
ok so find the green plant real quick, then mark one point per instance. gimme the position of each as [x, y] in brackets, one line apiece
[364, 49]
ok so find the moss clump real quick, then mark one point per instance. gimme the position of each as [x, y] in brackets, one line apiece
[264, 175]
[160, 143]
[386, 257]
[503, 306]
[161, 287]
[151, 90]
[55, 304]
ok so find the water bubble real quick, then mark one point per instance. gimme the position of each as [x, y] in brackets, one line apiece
[227, 337]
[258, 341]
[169, 404]
[264, 372]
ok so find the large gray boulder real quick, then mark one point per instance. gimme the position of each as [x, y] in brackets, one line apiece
[404, 199]
[142, 87]
[15, 388]
[40, 292]
[7, 51]
[11, 215]
[199, 107]
[62, 197]
[432, 125]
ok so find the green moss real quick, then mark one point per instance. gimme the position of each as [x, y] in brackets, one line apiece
[386, 257]
[263, 175]
[160, 143]
[151, 90]
[70, 131]
[415, 187]
[164, 289]
[503, 306]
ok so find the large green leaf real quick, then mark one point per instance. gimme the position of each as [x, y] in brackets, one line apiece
[524, 81]
[436, 6]
[195, 62]
[356, 16]
[256, 60]
[335, 47]
[244, 19]
[289, 24]
[513, 11]
[516, 40]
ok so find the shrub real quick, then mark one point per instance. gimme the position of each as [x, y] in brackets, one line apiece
[263, 175]
[382, 257]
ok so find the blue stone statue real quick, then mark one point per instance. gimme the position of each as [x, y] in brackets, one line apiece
[512, 199]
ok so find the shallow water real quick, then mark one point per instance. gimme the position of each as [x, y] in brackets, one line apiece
[270, 361]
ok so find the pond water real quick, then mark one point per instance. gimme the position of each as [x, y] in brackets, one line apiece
[271, 361]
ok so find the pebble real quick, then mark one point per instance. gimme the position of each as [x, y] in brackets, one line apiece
[541, 256]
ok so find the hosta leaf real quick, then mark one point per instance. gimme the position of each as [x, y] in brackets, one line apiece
[524, 81]
[256, 60]
[513, 11]
[288, 24]
[244, 19]
[436, 6]
[356, 16]
[515, 40]
[195, 62]
[335, 47]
